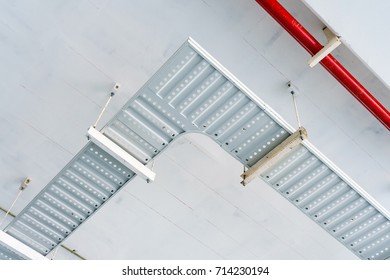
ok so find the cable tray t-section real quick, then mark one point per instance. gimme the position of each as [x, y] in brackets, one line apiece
[192, 92]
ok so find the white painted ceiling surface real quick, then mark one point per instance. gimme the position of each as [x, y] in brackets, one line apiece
[59, 60]
[363, 27]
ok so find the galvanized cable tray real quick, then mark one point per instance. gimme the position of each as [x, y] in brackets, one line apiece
[192, 92]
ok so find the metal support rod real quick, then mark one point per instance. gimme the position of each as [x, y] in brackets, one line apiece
[292, 26]
[112, 93]
[296, 110]
[12, 205]
[294, 92]
[22, 187]
[104, 109]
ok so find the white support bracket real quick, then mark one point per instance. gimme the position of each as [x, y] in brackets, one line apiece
[19, 248]
[273, 156]
[120, 154]
[333, 43]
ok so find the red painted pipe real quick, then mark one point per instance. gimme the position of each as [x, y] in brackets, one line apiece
[292, 26]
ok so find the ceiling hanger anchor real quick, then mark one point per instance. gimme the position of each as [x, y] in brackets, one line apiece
[25, 184]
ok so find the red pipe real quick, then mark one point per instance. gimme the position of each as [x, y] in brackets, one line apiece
[292, 26]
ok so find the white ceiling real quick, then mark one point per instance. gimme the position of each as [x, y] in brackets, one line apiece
[59, 60]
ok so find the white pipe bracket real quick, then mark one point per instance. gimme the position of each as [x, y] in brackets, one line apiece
[333, 42]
